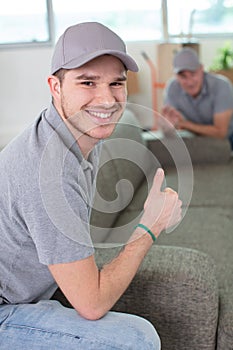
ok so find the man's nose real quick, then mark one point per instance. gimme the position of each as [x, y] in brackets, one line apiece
[105, 96]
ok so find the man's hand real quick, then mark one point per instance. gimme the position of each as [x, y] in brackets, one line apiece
[173, 116]
[162, 209]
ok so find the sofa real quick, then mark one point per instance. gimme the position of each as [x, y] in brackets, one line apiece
[184, 286]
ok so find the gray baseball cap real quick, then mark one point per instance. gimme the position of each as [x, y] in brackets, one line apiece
[83, 42]
[186, 59]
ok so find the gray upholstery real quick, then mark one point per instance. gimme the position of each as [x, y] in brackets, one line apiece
[176, 289]
[117, 163]
[202, 150]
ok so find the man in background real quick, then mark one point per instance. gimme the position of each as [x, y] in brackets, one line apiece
[198, 101]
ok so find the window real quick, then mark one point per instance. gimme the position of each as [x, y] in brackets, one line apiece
[34, 22]
[23, 21]
[132, 20]
[201, 18]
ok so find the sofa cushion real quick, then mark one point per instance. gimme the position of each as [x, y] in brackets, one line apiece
[225, 325]
[176, 289]
[124, 165]
[202, 150]
[129, 218]
[207, 227]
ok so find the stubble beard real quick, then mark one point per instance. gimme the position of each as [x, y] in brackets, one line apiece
[77, 130]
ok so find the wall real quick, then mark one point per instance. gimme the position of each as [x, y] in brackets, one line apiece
[23, 84]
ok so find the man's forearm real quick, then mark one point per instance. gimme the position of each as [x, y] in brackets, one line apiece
[201, 129]
[122, 269]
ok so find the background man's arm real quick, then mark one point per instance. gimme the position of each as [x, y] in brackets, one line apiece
[219, 129]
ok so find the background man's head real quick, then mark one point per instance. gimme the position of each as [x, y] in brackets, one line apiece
[189, 71]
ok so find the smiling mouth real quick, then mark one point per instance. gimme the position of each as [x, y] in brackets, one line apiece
[101, 115]
[104, 116]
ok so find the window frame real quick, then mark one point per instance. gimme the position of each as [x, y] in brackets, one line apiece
[46, 43]
[194, 35]
[166, 36]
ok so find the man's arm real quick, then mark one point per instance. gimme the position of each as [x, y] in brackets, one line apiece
[219, 129]
[92, 292]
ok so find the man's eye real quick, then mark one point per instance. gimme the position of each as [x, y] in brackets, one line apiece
[88, 83]
[117, 83]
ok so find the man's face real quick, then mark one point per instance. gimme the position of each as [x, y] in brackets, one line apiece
[92, 98]
[191, 81]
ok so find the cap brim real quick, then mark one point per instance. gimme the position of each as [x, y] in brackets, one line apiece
[189, 68]
[128, 61]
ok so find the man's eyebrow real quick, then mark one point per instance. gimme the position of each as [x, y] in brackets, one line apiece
[87, 77]
[96, 77]
[121, 78]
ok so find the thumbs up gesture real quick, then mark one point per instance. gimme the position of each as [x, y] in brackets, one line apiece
[162, 209]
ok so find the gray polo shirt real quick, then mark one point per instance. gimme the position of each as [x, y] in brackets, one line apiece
[216, 96]
[46, 191]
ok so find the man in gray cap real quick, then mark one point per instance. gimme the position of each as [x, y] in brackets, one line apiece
[47, 186]
[198, 101]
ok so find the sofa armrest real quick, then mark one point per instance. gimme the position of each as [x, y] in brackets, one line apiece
[176, 289]
[202, 150]
[225, 325]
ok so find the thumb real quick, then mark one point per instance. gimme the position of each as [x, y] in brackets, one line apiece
[158, 180]
[157, 183]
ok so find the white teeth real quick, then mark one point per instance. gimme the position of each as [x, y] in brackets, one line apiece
[100, 114]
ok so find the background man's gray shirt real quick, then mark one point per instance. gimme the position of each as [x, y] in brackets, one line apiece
[216, 96]
[46, 191]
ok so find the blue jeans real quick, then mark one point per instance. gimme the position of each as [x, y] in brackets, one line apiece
[47, 325]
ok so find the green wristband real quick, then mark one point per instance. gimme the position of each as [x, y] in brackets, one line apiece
[147, 230]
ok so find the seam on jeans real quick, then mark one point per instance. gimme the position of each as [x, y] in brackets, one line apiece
[7, 325]
[10, 325]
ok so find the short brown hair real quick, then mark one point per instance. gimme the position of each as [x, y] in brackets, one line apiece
[60, 74]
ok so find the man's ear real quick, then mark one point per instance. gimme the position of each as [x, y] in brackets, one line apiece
[54, 86]
[202, 67]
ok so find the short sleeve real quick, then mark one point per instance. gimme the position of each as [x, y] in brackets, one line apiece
[56, 238]
[56, 212]
[171, 93]
[223, 95]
